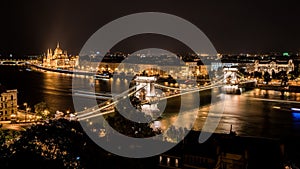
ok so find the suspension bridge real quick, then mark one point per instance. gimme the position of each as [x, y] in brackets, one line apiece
[10, 62]
[144, 88]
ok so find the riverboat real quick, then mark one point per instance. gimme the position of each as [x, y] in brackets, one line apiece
[103, 75]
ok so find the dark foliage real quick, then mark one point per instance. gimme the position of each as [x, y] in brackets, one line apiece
[62, 144]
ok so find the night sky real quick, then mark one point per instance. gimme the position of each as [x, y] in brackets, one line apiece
[30, 27]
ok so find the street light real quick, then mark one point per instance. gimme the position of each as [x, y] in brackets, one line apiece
[28, 110]
[25, 104]
[13, 118]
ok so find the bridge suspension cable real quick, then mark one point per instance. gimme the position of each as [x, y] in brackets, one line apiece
[101, 109]
[96, 111]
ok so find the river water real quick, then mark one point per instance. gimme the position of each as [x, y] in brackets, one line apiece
[253, 113]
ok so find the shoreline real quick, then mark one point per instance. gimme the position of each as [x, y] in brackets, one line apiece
[41, 68]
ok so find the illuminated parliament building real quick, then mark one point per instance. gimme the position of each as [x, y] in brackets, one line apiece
[59, 59]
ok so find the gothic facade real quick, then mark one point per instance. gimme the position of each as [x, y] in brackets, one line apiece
[60, 59]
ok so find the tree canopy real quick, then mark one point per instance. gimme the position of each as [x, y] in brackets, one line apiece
[61, 144]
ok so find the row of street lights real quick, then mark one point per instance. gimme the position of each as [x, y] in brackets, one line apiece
[71, 116]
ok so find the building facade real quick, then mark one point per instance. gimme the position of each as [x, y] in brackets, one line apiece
[59, 59]
[8, 104]
[274, 65]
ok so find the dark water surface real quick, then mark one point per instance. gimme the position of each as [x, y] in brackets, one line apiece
[254, 113]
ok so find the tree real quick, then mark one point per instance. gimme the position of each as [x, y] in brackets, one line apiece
[284, 79]
[56, 143]
[136, 102]
[41, 109]
[257, 74]
[242, 70]
[267, 77]
[228, 80]
[273, 74]
[62, 144]
[7, 138]
[132, 128]
[293, 75]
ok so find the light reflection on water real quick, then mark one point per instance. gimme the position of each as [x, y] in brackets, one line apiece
[254, 113]
[250, 114]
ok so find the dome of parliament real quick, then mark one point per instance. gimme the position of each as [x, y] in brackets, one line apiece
[58, 51]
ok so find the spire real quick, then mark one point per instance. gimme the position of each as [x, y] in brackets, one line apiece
[57, 46]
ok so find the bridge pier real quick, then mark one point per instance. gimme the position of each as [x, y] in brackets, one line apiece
[146, 93]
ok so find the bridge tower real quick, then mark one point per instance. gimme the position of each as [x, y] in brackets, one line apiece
[231, 81]
[148, 84]
[147, 95]
[230, 75]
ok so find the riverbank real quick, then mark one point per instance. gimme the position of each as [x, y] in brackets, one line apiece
[67, 71]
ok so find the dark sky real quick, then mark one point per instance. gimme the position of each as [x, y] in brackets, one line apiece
[29, 27]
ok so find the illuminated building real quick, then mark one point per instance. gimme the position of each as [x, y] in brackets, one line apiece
[274, 64]
[8, 103]
[59, 59]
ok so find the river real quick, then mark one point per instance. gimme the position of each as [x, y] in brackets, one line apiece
[253, 113]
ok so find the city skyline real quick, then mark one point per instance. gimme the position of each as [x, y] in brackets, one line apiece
[30, 27]
[149, 84]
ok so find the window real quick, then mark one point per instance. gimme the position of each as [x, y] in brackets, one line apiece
[168, 161]
[12, 97]
[176, 162]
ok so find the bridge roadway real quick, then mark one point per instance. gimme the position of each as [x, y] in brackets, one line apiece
[107, 107]
[13, 62]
